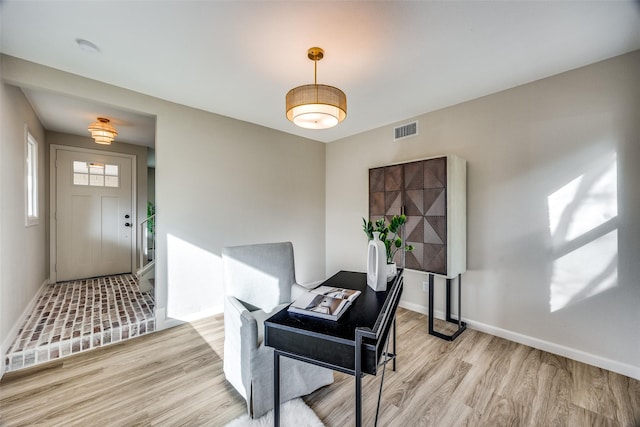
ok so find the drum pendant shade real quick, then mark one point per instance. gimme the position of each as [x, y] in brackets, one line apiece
[315, 106]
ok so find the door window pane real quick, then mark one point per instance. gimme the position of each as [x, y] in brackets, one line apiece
[96, 180]
[81, 179]
[96, 174]
[80, 167]
[96, 169]
[111, 170]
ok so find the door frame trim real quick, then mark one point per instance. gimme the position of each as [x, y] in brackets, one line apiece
[53, 156]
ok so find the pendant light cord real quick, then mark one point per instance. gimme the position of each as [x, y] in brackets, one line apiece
[315, 76]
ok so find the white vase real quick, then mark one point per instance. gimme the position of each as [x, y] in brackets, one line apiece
[392, 270]
[376, 264]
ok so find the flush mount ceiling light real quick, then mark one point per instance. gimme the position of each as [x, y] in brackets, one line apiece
[102, 132]
[316, 106]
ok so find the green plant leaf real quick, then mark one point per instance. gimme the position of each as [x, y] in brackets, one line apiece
[367, 227]
[389, 234]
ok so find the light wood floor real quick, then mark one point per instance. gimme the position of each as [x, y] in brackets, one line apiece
[174, 377]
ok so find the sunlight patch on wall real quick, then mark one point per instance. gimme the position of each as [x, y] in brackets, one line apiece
[583, 226]
[585, 272]
[193, 280]
[255, 285]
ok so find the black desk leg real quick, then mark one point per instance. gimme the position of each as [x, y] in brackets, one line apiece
[276, 389]
[394, 344]
[358, 375]
[461, 325]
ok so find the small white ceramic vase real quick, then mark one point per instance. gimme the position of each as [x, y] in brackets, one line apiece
[392, 270]
[376, 264]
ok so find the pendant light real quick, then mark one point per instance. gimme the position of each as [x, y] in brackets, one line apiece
[316, 106]
[102, 132]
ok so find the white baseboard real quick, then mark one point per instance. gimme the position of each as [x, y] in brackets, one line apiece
[560, 350]
[164, 322]
[202, 314]
[418, 309]
[13, 332]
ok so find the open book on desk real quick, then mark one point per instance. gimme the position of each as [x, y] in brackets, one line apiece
[326, 302]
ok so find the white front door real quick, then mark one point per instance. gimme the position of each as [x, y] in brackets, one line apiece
[94, 216]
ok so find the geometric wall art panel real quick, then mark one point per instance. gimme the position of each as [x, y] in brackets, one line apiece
[435, 173]
[414, 229]
[393, 178]
[438, 206]
[426, 191]
[435, 258]
[430, 235]
[439, 226]
[414, 202]
[376, 204]
[415, 258]
[414, 176]
[376, 180]
[392, 203]
[432, 196]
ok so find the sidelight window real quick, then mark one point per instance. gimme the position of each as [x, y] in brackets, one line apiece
[31, 180]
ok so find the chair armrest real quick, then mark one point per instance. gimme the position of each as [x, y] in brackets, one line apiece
[240, 343]
[241, 327]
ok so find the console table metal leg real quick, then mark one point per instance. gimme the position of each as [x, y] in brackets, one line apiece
[276, 389]
[449, 318]
[431, 314]
[461, 325]
[448, 300]
[460, 301]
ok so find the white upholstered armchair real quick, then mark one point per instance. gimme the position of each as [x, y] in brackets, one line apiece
[259, 280]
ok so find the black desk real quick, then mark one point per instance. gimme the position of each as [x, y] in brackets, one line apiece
[354, 344]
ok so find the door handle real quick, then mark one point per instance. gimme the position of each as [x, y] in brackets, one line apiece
[126, 224]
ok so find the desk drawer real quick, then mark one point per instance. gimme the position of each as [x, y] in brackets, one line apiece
[336, 354]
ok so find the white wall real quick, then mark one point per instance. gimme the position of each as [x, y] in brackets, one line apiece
[23, 264]
[219, 182]
[3, 334]
[553, 208]
[228, 183]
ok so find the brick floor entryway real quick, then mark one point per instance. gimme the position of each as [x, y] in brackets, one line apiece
[79, 315]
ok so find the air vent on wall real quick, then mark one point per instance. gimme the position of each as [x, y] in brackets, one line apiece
[405, 131]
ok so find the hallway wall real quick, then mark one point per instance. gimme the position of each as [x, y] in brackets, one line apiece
[23, 249]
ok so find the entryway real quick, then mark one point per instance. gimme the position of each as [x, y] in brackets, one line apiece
[94, 298]
[93, 222]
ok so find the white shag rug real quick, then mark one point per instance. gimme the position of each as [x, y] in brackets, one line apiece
[294, 413]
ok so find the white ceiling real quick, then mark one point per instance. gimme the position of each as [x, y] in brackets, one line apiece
[71, 115]
[393, 59]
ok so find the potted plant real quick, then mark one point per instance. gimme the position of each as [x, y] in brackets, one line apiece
[389, 235]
